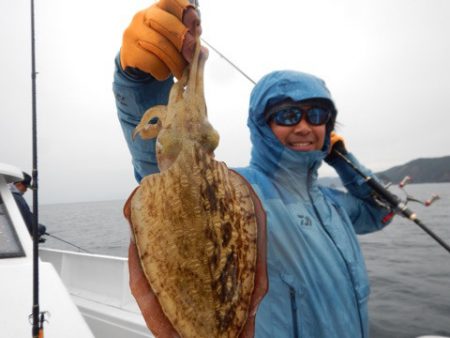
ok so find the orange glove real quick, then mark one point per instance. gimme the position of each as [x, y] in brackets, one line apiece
[334, 139]
[156, 39]
[336, 143]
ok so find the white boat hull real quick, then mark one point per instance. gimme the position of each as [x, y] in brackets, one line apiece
[99, 286]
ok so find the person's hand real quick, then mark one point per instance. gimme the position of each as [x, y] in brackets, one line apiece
[160, 40]
[336, 143]
[42, 229]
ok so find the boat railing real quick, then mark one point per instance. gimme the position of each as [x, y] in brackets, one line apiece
[100, 278]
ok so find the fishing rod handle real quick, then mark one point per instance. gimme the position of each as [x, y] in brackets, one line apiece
[395, 203]
[393, 200]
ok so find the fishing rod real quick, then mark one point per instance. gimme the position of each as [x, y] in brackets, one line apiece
[394, 201]
[67, 242]
[38, 318]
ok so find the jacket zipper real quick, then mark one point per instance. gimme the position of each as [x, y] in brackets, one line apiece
[350, 276]
[294, 312]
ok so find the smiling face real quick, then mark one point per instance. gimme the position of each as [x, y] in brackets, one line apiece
[302, 136]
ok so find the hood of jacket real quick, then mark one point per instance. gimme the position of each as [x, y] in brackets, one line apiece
[268, 153]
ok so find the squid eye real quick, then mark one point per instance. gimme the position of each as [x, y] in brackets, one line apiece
[154, 120]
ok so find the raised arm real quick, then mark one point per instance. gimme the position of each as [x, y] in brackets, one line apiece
[359, 203]
[157, 45]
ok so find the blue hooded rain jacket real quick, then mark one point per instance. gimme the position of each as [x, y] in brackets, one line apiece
[318, 285]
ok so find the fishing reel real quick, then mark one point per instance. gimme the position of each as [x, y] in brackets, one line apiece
[408, 197]
[38, 322]
[427, 203]
[392, 202]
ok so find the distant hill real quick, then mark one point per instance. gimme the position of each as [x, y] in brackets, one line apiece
[421, 170]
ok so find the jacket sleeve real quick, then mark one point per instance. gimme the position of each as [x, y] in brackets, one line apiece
[135, 92]
[358, 202]
[25, 211]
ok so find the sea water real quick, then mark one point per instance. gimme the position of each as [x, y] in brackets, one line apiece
[408, 270]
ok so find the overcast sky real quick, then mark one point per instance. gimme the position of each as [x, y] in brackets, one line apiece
[386, 63]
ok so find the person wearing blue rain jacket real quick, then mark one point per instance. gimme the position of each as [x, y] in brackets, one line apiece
[318, 285]
[316, 268]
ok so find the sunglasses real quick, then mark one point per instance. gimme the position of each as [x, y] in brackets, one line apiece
[291, 115]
